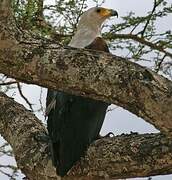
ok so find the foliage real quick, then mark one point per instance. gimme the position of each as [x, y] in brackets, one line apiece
[140, 38]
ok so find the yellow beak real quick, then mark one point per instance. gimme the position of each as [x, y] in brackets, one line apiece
[108, 12]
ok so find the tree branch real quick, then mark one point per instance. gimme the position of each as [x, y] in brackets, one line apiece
[88, 73]
[156, 4]
[141, 40]
[8, 83]
[118, 157]
[20, 128]
[23, 96]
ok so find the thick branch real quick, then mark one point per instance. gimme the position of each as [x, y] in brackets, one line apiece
[94, 74]
[119, 157]
[20, 127]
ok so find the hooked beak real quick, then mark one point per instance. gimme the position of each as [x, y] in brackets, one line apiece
[108, 12]
[113, 13]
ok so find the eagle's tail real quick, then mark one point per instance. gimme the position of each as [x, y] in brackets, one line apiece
[64, 162]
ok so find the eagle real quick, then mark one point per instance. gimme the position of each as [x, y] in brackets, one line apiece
[74, 122]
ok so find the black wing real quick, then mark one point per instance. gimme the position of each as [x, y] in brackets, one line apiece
[74, 122]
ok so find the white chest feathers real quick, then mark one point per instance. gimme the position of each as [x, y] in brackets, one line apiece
[84, 37]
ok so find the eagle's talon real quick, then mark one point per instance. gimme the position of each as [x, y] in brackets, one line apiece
[110, 134]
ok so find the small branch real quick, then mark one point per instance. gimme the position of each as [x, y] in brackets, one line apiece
[6, 174]
[11, 167]
[80, 13]
[149, 17]
[8, 83]
[22, 95]
[8, 166]
[3, 150]
[159, 63]
[142, 41]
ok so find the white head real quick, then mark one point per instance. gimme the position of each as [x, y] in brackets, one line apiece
[89, 26]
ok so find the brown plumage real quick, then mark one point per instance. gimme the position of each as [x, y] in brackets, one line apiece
[98, 44]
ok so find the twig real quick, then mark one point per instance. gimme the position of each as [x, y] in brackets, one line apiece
[22, 95]
[40, 101]
[3, 151]
[8, 166]
[8, 83]
[4, 145]
[142, 41]
[158, 65]
[7, 174]
[135, 27]
[80, 12]
[149, 17]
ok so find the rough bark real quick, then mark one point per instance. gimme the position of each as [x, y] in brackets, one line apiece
[97, 75]
[118, 157]
[88, 73]
[21, 129]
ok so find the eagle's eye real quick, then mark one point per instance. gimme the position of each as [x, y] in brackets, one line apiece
[98, 10]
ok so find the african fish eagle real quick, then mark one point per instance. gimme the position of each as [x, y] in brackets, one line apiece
[74, 122]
